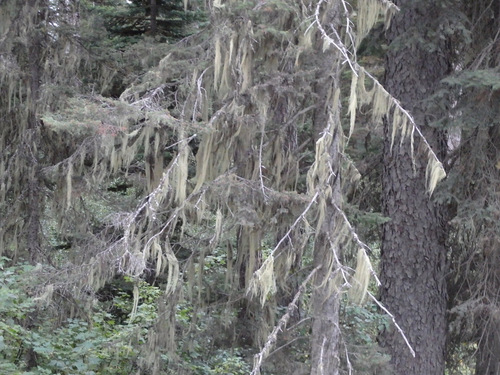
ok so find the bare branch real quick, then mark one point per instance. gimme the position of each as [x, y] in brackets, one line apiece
[401, 332]
[271, 339]
[356, 68]
[363, 245]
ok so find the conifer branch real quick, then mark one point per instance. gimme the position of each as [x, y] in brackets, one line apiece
[394, 103]
[254, 285]
[273, 336]
[301, 217]
[363, 245]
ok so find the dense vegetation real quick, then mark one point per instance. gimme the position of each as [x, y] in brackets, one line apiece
[236, 187]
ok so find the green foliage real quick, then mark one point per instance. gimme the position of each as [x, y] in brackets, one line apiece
[367, 220]
[460, 359]
[15, 306]
[361, 326]
[116, 35]
[101, 344]
[74, 348]
[109, 342]
[228, 361]
[481, 78]
[128, 21]
[120, 49]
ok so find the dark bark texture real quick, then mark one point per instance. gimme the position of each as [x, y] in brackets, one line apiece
[33, 140]
[413, 248]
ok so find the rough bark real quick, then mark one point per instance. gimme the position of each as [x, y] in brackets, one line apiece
[326, 305]
[413, 251]
[33, 140]
[33, 206]
[325, 300]
[325, 334]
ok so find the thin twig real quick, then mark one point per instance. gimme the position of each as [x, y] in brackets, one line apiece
[363, 245]
[356, 68]
[401, 332]
[261, 175]
[349, 365]
[271, 339]
[301, 216]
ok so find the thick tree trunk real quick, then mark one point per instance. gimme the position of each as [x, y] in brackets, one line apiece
[413, 251]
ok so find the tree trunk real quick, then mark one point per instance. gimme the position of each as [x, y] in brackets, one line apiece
[153, 16]
[413, 246]
[325, 334]
[326, 305]
[32, 142]
[325, 299]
